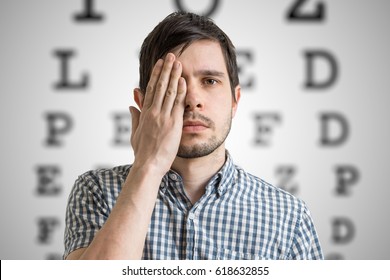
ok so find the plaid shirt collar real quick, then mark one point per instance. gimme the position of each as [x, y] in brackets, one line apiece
[220, 182]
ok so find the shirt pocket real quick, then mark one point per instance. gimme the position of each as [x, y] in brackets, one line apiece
[226, 254]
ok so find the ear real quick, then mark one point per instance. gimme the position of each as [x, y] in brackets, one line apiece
[138, 97]
[237, 94]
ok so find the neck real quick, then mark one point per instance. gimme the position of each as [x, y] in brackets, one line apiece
[197, 172]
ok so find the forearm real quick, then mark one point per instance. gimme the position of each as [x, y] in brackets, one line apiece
[123, 235]
[156, 135]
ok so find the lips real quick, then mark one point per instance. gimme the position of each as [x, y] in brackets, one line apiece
[194, 126]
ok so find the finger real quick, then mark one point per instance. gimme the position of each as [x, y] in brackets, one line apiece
[163, 81]
[135, 115]
[150, 89]
[171, 92]
[179, 103]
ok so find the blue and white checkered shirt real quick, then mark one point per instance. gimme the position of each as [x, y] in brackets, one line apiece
[239, 217]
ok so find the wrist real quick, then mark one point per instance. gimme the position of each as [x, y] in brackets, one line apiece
[152, 169]
[142, 182]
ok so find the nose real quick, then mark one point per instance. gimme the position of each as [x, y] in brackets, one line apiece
[194, 99]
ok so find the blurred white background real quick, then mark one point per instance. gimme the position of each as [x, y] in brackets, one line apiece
[50, 135]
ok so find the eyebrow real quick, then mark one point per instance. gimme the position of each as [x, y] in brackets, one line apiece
[207, 72]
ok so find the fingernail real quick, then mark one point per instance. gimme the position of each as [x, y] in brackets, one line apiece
[182, 81]
[176, 65]
[170, 56]
[159, 62]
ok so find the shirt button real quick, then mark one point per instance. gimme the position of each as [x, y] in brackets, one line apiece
[173, 176]
[191, 216]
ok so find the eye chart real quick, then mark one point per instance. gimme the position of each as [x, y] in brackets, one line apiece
[313, 116]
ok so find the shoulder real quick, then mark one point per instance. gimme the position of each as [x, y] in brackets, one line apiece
[105, 176]
[97, 190]
[269, 195]
[105, 181]
[276, 206]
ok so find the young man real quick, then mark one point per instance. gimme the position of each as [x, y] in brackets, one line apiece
[183, 198]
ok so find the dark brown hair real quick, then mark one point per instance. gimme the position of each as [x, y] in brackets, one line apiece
[182, 29]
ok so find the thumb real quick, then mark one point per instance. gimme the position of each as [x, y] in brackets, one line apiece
[135, 114]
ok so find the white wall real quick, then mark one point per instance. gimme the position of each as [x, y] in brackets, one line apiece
[274, 53]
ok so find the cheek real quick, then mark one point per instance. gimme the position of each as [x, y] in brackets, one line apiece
[220, 105]
[222, 112]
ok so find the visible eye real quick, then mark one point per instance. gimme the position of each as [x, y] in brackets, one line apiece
[210, 82]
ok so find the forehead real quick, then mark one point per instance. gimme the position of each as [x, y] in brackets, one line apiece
[202, 54]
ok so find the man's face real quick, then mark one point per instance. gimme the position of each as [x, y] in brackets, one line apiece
[209, 102]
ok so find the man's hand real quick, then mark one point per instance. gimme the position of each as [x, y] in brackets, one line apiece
[157, 129]
[156, 136]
